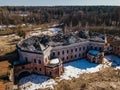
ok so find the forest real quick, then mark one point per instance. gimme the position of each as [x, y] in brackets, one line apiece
[93, 16]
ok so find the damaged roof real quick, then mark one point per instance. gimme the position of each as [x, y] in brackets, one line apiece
[40, 43]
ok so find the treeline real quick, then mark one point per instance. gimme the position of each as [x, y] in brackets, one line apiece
[92, 15]
[31, 15]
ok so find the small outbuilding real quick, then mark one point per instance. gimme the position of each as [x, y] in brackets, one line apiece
[54, 68]
[95, 56]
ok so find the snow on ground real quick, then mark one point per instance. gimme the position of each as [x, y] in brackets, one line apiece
[34, 81]
[117, 68]
[75, 68]
[10, 36]
[50, 31]
[71, 69]
[55, 30]
[115, 61]
[3, 27]
[54, 61]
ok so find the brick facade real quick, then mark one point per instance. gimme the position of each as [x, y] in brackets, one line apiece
[39, 61]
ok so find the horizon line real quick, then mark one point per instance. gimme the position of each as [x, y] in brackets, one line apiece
[52, 5]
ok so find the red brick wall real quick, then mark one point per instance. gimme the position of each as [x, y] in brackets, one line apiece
[116, 50]
[19, 69]
[55, 72]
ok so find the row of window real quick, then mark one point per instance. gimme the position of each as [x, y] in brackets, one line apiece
[37, 68]
[74, 56]
[116, 48]
[76, 49]
[96, 48]
[35, 61]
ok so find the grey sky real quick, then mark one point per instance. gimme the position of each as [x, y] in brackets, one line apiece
[58, 2]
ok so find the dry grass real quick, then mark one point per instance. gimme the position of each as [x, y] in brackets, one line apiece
[107, 79]
[4, 85]
[34, 27]
[4, 67]
[4, 70]
[8, 44]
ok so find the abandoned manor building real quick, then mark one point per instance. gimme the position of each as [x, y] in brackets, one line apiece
[44, 55]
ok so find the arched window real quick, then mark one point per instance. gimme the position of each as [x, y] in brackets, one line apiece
[35, 61]
[35, 68]
[71, 50]
[39, 61]
[95, 48]
[26, 59]
[67, 51]
[79, 55]
[83, 48]
[75, 56]
[23, 67]
[53, 53]
[91, 47]
[79, 48]
[50, 73]
[67, 57]
[58, 53]
[40, 69]
[63, 58]
[62, 52]
[75, 49]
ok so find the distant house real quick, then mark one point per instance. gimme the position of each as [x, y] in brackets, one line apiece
[95, 56]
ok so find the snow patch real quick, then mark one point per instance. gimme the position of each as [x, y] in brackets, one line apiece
[54, 61]
[71, 70]
[55, 30]
[115, 60]
[33, 82]
[117, 68]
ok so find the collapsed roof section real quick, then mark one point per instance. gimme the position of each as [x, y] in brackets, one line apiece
[40, 43]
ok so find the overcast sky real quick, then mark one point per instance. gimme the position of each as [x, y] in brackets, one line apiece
[58, 2]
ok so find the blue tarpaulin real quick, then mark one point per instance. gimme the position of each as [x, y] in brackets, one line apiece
[94, 52]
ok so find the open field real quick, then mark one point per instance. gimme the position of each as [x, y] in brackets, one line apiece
[111, 30]
[4, 67]
[107, 79]
[8, 43]
[4, 85]
[28, 28]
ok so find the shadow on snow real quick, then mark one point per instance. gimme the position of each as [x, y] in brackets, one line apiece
[38, 79]
[114, 59]
[34, 78]
[81, 64]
